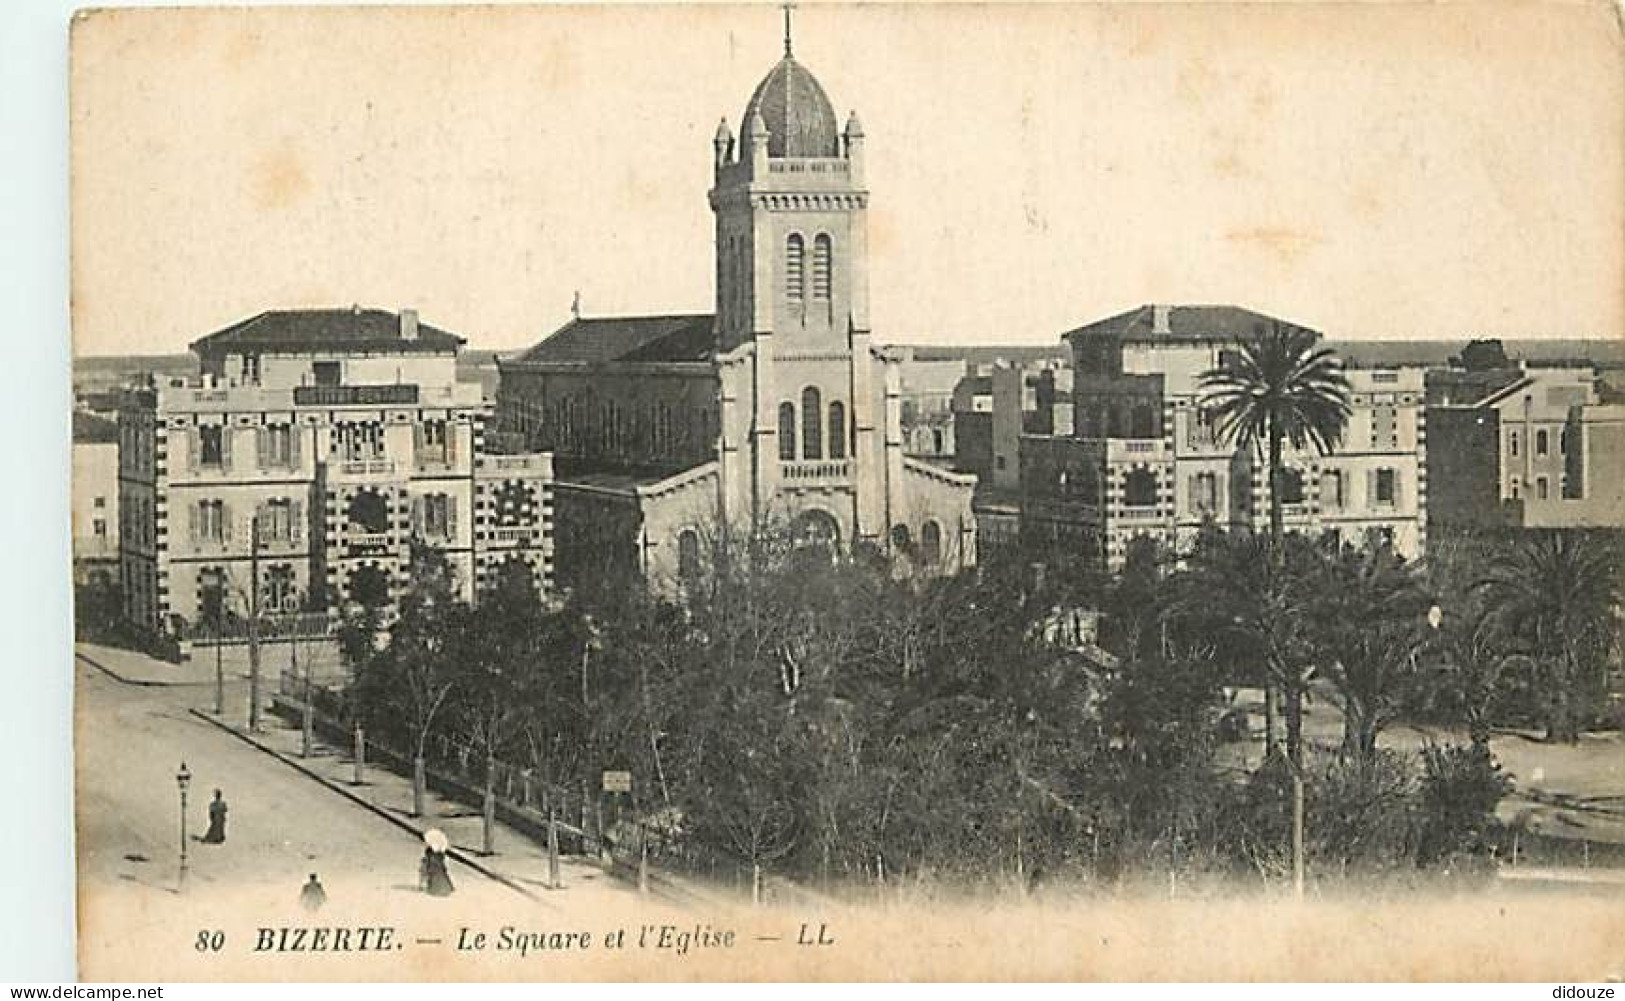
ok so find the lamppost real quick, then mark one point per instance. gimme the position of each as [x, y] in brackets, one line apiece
[183, 778]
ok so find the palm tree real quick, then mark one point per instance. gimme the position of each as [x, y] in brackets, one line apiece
[1558, 593]
[1280, 389]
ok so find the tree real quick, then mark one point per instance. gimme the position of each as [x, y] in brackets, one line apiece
[1556, 593]
[410, 681]
[512, 654]
[1367, 623]
[1280, 389]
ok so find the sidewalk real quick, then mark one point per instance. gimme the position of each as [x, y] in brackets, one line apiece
[518, 861]
[135, 668]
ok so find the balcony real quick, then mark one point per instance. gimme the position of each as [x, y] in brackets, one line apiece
[364, 467]
[535, 464]
[809, 471]
[368, 543]
[515, 534]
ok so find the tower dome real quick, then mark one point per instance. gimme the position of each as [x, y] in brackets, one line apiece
[800, 120]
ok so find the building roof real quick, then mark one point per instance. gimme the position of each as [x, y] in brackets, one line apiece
[1178, 322]
[340, 329]
[673, 337]
[90, 429]
[799, 118]
[1163, 323]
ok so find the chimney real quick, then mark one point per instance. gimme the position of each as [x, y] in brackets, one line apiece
[409, 324]
[1159, 319]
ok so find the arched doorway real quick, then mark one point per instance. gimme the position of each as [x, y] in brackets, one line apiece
[814, 529]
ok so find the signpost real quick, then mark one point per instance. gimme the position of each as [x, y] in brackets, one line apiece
[618, 782]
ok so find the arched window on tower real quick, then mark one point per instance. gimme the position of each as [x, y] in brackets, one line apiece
[787, 432]
[823, 253]
[812, 436]
[795, 252]
[837, 430]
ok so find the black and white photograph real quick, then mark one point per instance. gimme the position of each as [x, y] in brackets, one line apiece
[861, 492]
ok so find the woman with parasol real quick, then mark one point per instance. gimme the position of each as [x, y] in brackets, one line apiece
[433, 878]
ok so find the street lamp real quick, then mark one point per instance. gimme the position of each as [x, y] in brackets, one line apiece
[183, 778]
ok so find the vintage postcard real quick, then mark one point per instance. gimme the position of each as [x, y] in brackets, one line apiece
[862, 492]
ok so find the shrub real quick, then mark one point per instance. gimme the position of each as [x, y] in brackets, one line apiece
[1459, 791]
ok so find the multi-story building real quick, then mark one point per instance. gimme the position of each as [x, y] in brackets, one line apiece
[95, 512]
[1143, 460]
[1522, 445]
[315, 449]
[778, 406]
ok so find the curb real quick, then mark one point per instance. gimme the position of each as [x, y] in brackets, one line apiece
[373, 808]
[98, 665]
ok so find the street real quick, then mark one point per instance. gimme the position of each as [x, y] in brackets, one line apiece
[283, 826]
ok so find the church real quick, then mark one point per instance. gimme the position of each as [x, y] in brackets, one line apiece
[777, 412]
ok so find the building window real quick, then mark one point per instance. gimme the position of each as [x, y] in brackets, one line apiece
[369, 513]
[209, 521]
[1540, 488]
[936, 441]
[822, 253]
[837, 430]
[795, 251]
[436, 516]
[998, 462]
[327, 373]
[1513, 488]
[1385, 487]
[280, 592]
[931, 542]
[1291, 486]
[100, 502]
[787, 432]
[98, 528]
[276, 445]
[251, 370]
[359, 441]
[1512, 443]
[1563, 442]
[812, 433]
[211, 595]
[1384, 428]
[1331, 489]
[277, 520]
[1140, 488]
[369, 586]
[902, 540]
[688, 554]
[1204, 493]
[211, 446]
[1542, 442]
[1199, 430]
[432, 442]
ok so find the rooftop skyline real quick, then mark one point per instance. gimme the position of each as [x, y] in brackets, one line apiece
[1393, 172]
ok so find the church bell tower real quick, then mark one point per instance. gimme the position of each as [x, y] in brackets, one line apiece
[792, 277]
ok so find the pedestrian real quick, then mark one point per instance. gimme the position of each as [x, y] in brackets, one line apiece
[216, 834]
[312, 897]
[433, 878]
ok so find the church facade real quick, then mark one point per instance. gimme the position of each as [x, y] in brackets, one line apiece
[776, 411]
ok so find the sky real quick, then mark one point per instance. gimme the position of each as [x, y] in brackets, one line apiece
[1372, 170]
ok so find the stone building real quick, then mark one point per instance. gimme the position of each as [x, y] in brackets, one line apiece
[1143, 459]
[95, 510]
[776, 408]
[1518, 444]
[331, 440]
